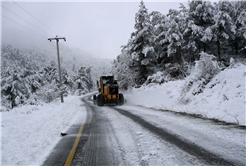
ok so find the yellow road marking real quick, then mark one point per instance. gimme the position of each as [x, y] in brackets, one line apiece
[72, 152]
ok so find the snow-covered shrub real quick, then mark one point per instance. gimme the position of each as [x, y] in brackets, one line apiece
[232, 63]
[49, 95]
[79, 92]
[187, 68]
[14, 87]
[205, 69]
[175, 70]
[32, 100]
[4, 109]
[172, 72]
[159, 78]
[224, 63]
[48, 92]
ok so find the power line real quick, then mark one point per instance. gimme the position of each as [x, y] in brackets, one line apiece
[24, 26]
[24, 20]
[34, 17]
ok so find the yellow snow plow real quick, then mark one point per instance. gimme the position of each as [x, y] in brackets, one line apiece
[108, 92]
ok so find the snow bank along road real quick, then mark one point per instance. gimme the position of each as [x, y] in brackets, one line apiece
[131, 135]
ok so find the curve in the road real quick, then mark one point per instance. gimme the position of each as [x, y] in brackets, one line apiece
[96, 132]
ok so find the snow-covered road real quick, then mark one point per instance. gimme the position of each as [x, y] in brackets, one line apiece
[132, 135]
[116, 135]
[197, 139]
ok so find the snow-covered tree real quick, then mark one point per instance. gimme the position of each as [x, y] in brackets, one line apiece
[223, 29]
[201, 13]
[191, 35]
[140, 45]
[238, 15]
[35, 81]
[50, 73]
[15, 89]
[169, 38]
[121, 69]
[67, 82]
[48, 92]
[174, 37]
[90, 83]
[159, 23]
[80, 79]
[83, 79]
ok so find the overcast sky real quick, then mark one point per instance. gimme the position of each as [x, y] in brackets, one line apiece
[99, 28]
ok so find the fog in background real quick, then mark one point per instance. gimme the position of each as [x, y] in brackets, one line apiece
[99, 28]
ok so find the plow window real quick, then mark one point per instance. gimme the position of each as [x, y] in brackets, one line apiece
[107, 79]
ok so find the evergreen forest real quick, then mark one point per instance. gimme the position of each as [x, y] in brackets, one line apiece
[171, 44]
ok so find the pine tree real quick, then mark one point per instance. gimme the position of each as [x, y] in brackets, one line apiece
[83, 80]
[80, 78]
[174, 37]
[238, 15]
[191, 36]
[50, 73]
[67, 81]
[223, 29]
[141, 43]
[122, 70]
[159, 23]
[89, 79]
[15, 88]
[34, 81]
[202, 15]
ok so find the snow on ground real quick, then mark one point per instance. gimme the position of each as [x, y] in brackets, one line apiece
[138, 146]
[29, 133]
[218, 139]
[223, 97]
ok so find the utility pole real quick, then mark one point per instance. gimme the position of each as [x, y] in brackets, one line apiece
[59, 66]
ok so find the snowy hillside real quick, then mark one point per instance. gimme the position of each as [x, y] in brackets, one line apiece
[37, 57]
[30, 75]
[223, 98]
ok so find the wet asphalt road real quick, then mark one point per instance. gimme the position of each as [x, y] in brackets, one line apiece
[91, 149]
[93, 146]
